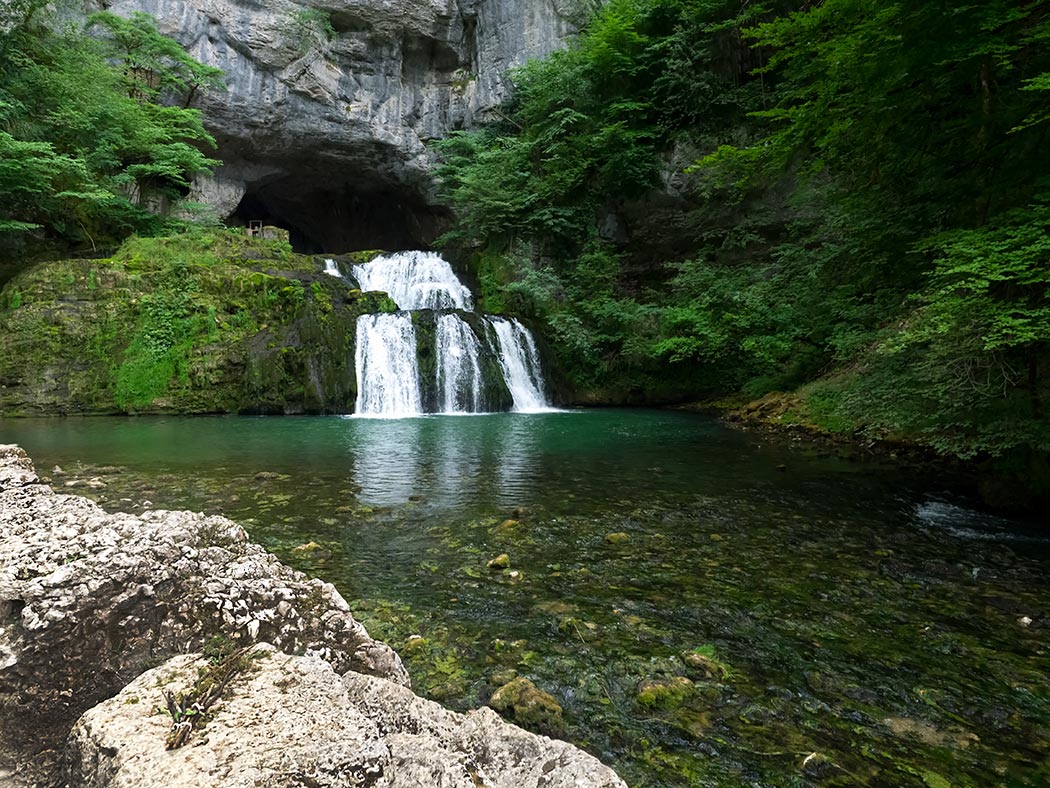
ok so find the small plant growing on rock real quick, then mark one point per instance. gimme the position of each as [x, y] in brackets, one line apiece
[189, 710]
[311, 26]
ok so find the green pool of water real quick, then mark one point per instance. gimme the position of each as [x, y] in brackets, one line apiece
[708, 607]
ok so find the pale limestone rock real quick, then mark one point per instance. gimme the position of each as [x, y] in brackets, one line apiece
[487, 750]
[88, 600]
[291, 721]
[332, 132]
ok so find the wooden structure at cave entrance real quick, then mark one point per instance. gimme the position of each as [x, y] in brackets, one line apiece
[256, 229]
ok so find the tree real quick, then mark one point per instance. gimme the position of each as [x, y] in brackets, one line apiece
[85, 129]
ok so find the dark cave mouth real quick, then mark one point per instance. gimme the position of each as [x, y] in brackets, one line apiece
[344, 218]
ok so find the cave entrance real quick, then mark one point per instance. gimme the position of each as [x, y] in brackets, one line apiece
[342, 218]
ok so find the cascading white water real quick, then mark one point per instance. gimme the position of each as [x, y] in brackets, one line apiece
[458, 369]
[415, 280]
[387, 369]
[520, 360]
[388, 382]
[331, 268]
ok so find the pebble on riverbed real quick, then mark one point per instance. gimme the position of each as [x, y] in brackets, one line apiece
[507, 526]
[499, 563]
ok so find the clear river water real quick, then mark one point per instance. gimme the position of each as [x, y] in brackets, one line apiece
[709, 607]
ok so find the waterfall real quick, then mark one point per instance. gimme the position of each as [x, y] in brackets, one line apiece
[331, 268]
[458, 370]
[467, 367]
[387, 369]
[520, 361]
[415, 280]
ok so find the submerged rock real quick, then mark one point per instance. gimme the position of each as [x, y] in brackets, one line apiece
[817, 766]
[528, 705]
[506, 527]
[707, 667]
[499, 563]
[664, 693]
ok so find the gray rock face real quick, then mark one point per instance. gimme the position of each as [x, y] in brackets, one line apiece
[88, 600]
[292, 721]
[324, 129]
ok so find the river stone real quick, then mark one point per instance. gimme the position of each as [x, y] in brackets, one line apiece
[88, 600]
[292, 721]
[499, 563]
[529, 705]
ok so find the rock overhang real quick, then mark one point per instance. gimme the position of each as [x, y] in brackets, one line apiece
[330, 108]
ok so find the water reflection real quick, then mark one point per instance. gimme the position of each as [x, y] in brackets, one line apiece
[452, 461]
[386, 458]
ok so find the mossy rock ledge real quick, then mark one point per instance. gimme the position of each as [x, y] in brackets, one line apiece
[209, 323]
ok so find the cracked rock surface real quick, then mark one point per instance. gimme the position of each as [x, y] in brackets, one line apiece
[89, 600]
[329, 106]
[292, 721]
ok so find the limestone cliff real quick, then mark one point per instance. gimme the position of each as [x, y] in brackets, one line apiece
[329, 105]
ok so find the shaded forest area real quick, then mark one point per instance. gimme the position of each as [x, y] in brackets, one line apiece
[846, 199]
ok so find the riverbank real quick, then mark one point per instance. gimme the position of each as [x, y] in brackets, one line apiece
[1014, 483]
[101, 614]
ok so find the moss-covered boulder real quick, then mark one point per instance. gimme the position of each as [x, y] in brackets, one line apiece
[208, 323]
[664, 693]
[528, 706]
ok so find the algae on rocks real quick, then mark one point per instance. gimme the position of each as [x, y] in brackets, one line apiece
[213, 322]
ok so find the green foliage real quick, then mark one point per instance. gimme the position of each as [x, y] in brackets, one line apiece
[153, 66]
[865, 209]
[90, 136]
[310, 27]
[169, 326]
[968, 369]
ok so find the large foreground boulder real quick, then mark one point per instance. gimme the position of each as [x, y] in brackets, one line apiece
[89, 600]
[292, 721]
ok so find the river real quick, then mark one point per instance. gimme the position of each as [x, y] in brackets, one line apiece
[709, 607]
